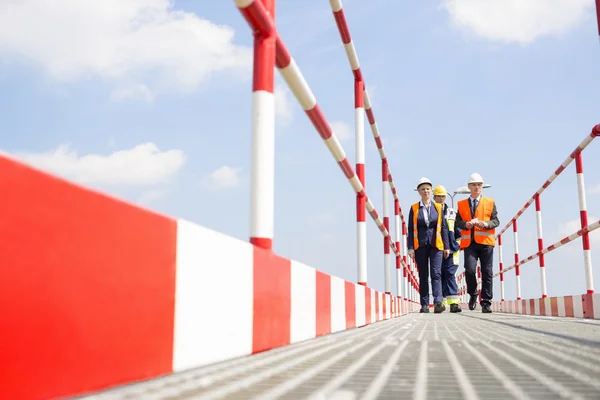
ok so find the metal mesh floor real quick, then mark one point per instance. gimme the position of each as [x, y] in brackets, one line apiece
[420, 356]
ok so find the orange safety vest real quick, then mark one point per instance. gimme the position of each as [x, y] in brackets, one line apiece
[439, 243]
[483, 213]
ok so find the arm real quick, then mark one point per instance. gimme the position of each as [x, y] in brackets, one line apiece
[445, 235]
[494, 222]
[460, 223]
[410, 235]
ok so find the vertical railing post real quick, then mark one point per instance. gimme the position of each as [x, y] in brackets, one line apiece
[361, 224]
[385, 184]
[501, 267]
[585, 238]
[517, 269]
[399, 255]
[538, 218]
[262, 169]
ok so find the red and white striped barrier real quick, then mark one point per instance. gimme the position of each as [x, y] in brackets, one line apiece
[578, 306]
[96, 292]
[569, 306]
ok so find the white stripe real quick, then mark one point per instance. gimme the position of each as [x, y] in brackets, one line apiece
[352, 56]
[463, 379]
[298, 85]
[381, 379]
[204, 257]
[577, 306]
[303, 302]
[336, 5]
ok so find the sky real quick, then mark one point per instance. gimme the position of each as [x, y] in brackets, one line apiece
[150, 101]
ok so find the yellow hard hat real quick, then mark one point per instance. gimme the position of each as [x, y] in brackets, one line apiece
[440, 191]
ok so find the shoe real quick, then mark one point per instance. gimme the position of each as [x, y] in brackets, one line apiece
[454, 308]
[472, 302]
[439, 308]
[424, 309]
[486, 309]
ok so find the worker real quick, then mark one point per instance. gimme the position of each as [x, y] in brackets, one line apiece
[477, 219]
[428, 245]
[450, 264]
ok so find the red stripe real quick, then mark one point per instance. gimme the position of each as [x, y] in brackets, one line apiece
[323, 304]
[264, 49]
[554, 306]
[370, 116]
[569, 310]
[596, 129]
[384, 306]
[367, 305]
[376, 306]
[386, 239]
[359, 95]
[578, 163]
[87, 288]
[384, 170]
[346, 168]
[340, 21]
[588, 305]
[538, 206]
[317, 117]
[350, 304]
[272, 301]
[585, 237]
[259, 20]
[532, 306]
[282, 58]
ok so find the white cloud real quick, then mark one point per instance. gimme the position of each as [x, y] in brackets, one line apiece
[225, 177]
[142, 45]
[520, 21]
[573, 226]
[144, 164]
[341, 130]
[283, 105]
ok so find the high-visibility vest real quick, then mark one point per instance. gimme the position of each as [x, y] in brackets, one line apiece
[439, 243]
[483, 213]
[451, 218]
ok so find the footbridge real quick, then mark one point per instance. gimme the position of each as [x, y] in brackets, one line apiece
[102, 299]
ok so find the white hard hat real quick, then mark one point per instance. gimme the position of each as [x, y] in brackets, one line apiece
[475, 178]
[424, 180]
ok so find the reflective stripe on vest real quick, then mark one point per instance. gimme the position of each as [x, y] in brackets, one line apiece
[439, 243]
[483, 213]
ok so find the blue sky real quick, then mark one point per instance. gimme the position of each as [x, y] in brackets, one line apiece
[151, 103]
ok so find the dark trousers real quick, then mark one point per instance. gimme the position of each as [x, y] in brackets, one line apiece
[429, 260]
[485, 254]
[449, 285]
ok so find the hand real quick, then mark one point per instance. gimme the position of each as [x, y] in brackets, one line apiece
[411, 253]
[446, 253]
[469, 225]
[482, 224]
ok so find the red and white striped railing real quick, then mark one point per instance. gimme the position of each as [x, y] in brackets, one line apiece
[586, 228]
[269, 52]
[363, 104]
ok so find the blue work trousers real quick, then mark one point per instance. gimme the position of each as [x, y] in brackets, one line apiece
[449, 285]
[429, 261]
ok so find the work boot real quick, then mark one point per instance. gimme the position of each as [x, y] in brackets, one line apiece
[439, 308]
[473, 302]
[486, 309]
[424, 309]
[454, 308]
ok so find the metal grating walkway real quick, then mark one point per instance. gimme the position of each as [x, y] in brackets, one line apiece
[420, 356]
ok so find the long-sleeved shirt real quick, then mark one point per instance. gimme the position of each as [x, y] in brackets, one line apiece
[426, 230]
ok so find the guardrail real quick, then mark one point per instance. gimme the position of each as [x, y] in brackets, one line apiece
[270, 51]
[586, 228]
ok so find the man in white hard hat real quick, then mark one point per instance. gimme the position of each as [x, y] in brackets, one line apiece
[478, 219]
[428, 245]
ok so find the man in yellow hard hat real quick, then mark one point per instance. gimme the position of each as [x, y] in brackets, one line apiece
[450, 264]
